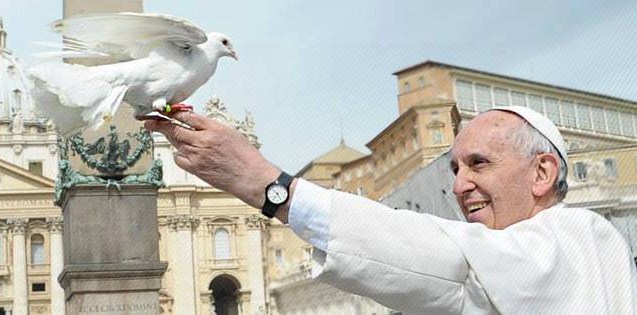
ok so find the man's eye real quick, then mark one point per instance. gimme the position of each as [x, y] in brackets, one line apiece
[479, 162]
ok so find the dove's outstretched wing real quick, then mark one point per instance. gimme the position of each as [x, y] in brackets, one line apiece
[124, 36]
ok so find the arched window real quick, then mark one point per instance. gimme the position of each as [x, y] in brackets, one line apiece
[37, 249]
[222, 244]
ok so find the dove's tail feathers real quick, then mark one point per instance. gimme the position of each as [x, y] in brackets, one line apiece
[72, 95]
[66, 119]
[106, 108]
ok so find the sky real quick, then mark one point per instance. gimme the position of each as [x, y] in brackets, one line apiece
[315, 72]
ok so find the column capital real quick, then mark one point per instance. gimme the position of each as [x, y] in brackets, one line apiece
[256, 221]
[55, 224]
[18, 225]
[183, 222]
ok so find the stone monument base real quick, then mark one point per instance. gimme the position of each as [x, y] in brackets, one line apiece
[111, 250]
[113, 288]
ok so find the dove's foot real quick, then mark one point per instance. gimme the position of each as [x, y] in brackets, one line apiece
[177, 108]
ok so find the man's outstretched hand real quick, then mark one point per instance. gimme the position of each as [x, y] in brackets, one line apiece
[220, 156]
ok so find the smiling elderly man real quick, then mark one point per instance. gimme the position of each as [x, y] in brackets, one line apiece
[522, 251]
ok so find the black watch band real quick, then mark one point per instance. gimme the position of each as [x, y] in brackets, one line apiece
[282, 183]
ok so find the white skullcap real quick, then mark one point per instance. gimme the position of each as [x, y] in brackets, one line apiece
[542, 124]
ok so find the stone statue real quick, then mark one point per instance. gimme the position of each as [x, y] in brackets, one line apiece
[17, 123]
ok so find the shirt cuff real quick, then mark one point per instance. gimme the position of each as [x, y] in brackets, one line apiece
[310, 213]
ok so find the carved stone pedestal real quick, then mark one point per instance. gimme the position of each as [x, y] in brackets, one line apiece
[111, 250]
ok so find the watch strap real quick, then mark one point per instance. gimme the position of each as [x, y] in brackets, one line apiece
[269, 208]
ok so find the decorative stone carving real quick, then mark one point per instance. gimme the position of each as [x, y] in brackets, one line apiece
[183, 222]
[217, 110]
[256, 221]
[55, 224]
[18, 225]
[53, 149]
[17, 149]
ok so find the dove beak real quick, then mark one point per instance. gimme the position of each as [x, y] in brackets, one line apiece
[233, 54]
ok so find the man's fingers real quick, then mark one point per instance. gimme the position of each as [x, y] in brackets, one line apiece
[193, 120]
[181, 160]
[171, 131]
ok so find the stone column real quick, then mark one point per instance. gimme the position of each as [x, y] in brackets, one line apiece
[57, 265]
[182, 227]
[3, 242]
[243, 300]
[207, 308]
[255, 224]
[20, 293]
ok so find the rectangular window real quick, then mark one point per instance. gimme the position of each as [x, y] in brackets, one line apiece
[568, 114]
[35, 167]
[553, 110]
[464, 92]
[580, 170]
[483, 97]
[536, 103]
[584, 116]
[38, 287]
[518, 99]
[613, 122]
[406, 87]
[611, 168]
[501, 97]
[628, 126]
[597, 116]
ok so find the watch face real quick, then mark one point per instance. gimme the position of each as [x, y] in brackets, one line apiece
[277, 194]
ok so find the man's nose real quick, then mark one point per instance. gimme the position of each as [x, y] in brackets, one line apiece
[463, 183]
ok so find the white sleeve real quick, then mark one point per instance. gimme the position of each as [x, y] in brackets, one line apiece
[401, 259]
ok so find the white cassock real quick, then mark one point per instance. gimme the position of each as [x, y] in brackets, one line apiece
[561, 261]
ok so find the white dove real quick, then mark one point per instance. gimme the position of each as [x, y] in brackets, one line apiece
[148, 60]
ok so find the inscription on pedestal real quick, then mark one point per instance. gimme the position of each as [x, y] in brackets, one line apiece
[114, 308]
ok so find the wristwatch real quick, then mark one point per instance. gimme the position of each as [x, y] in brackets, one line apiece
[276, 194]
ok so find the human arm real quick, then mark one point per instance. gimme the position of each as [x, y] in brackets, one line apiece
[399, 258]
[222, 157]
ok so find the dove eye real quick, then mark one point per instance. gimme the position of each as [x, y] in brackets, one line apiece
[224, 42]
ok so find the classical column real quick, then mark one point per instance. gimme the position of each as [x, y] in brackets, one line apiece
[4, 229]
[207, 302]
[243, 300]
[255, 223]
[182, 227]
[57, 265]
[20, 293]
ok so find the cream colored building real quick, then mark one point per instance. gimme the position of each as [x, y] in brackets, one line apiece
[435, 99]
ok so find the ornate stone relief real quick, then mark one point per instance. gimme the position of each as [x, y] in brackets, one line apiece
[182, 222]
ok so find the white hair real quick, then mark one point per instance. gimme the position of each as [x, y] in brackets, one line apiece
[532, 142]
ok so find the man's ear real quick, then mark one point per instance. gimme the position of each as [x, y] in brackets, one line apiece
[546, 173]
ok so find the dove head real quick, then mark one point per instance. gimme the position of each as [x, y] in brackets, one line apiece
[224, 45]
